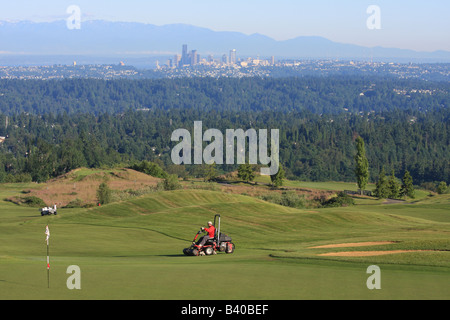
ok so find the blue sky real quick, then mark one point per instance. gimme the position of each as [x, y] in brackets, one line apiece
[413, 24]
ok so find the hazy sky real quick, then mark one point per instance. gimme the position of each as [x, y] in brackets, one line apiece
[412, 24]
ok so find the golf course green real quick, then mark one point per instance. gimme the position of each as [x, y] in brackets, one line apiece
[133, 249]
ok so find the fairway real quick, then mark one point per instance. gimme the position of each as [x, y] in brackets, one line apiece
[133, 250]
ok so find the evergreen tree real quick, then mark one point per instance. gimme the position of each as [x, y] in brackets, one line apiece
[104, 193]
[407, 189]
[393, 186]
[277, 179]
[442, 187]
[362, 165]
[381, 190]
[245, 172]
[210, 172]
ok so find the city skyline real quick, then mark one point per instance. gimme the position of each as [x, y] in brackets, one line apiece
[416, 25]
[193, 58]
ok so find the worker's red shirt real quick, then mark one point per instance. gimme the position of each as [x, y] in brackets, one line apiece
[211, 231]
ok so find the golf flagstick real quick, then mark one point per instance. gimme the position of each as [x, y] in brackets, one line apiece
[47, 233]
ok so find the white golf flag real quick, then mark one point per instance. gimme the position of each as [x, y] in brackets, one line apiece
[47, 233]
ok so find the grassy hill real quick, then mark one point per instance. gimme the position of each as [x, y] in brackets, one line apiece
[133, 249]
[80, 185]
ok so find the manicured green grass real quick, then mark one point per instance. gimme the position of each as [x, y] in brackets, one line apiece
[133, 249]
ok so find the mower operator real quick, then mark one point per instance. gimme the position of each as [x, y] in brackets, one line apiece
[211, 230]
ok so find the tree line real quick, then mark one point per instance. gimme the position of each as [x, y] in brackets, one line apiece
[52, 127]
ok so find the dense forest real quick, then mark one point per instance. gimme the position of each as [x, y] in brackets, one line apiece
[52, 127]
[330, 95]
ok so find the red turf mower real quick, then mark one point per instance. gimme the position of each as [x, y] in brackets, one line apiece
[221, 242]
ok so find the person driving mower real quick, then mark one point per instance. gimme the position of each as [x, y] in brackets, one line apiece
[214, 241]
[211, 231]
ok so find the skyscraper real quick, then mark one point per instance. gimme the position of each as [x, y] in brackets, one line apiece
[233, 56]
[225, 59]
[176, 61]
[184, 55]
[194, 57]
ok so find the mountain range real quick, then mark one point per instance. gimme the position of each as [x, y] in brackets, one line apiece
[116, 40]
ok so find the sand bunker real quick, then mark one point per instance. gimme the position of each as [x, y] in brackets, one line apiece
[365, 253]
[355, 244]
[361, 253]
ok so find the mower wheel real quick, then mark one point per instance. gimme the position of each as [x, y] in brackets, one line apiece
[209, 251]
[194, 252]
[230, 248]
